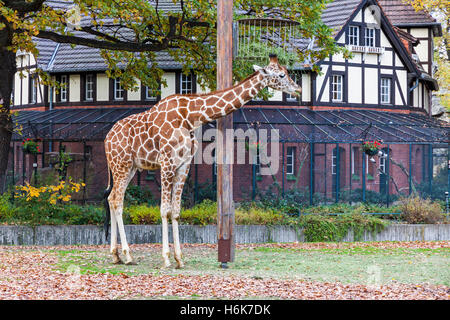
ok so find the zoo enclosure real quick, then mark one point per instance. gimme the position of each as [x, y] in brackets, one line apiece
[320, 153]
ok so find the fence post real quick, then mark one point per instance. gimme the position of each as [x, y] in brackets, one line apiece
[410, 169]
[363, 176]
[311, 172]
[388, 175]
[430, 169]
[351, 174]
[282, 170]
[84, 171]
[338, 167]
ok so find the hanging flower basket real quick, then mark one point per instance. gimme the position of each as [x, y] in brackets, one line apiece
[252, 146]
[30, 146]
[371, 147]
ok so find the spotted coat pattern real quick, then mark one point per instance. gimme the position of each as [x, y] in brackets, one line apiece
[162, 138]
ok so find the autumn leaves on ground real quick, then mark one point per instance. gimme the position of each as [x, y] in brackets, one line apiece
[376, 270]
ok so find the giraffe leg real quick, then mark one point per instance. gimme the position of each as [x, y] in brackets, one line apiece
[117, 196]
[180, 179]
[166, 197]
[114, 246]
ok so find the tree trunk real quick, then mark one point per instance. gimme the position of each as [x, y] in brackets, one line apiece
[8, 69]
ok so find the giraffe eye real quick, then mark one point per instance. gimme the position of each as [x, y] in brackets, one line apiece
[282, 75]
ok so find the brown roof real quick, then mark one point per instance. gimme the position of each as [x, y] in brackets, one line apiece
[403, 14]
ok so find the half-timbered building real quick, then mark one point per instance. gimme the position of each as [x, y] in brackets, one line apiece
[383, 92]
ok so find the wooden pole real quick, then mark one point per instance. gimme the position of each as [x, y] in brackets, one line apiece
[225, 208]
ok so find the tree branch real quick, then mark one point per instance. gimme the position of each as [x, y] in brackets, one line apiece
[102, 44]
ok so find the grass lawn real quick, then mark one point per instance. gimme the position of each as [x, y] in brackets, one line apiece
[310, 271]
[346, 263]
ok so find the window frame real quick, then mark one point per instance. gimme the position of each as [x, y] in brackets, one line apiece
[117, 81]
[352, 37]
[334, 76]
[64, 90]
[186, 79]
[297, 78]
[290, 157]
[86, 87]
[33, 89]
[389, 88]
[371, 37]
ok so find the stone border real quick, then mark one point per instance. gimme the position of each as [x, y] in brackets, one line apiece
[94, 235]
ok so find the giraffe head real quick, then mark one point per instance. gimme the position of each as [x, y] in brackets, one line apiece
[276, 76]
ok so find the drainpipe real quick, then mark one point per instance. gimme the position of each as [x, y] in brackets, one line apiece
[50, 107]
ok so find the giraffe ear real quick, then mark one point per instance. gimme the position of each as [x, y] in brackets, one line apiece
[260, 69]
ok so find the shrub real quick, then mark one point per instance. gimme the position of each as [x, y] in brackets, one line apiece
[256, 215]
[137, 195]
[335, 228]
[201, 214]
[417, 210]
[143, 214]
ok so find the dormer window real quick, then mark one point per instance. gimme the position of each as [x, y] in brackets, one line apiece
[369, 37]
[353, 35]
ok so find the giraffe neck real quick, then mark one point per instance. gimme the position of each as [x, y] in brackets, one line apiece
[218, 104]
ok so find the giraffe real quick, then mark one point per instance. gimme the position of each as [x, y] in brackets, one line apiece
[163, 138]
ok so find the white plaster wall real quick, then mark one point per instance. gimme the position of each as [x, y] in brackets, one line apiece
[354, 85]
[319, 81]
[402, 77]
[371, 86]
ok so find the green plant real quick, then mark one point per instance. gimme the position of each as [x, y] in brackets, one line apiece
[371, 147]
[137, 195]
[417, 210]
[142, 214]
[335, 228]
[253, 214]
[201, 214]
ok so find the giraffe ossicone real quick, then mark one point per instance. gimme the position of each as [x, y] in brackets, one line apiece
[162, 138]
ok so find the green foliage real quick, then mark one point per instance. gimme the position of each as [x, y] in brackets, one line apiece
[252, 214]
[201, 214]
[334, 228]
[417, 210]
[356, 195]
[137, 195]
[142, 214]
[45, 213]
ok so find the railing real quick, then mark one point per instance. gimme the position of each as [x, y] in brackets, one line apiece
[366, 49]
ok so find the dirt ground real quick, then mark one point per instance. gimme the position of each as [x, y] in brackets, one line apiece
[332, 271]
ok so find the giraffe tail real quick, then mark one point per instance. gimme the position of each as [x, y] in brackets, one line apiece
[106, 203]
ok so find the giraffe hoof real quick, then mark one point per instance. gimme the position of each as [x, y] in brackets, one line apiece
[131, 263]
[117, 261]
[180, 265]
